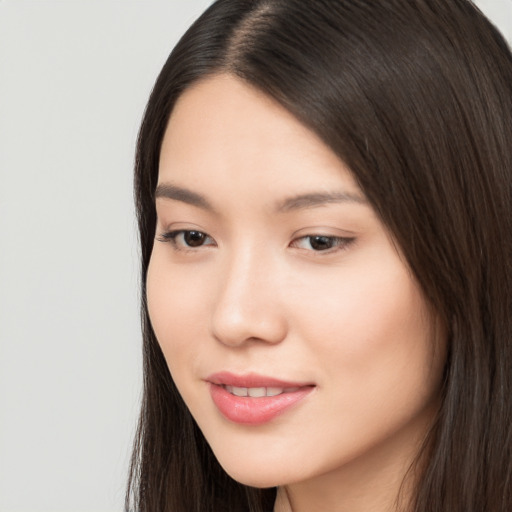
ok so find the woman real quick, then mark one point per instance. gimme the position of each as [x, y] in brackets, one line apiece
[324, 198]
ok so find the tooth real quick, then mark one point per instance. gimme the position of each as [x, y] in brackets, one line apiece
[291, 390]
[274, 391]
[239, 391]
[257, 392]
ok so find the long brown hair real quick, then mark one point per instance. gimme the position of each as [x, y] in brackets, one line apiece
[415, 96]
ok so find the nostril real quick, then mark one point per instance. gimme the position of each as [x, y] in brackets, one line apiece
[235, 327]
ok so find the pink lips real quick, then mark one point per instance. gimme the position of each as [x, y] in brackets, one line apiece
[254, 410]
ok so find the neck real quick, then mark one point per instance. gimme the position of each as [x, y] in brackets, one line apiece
[282, 503]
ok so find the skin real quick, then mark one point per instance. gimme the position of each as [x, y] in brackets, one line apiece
[258, 296]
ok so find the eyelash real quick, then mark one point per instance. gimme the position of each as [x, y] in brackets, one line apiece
[337, 243]
[172, 238]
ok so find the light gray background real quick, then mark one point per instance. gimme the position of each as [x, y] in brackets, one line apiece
[74, 79]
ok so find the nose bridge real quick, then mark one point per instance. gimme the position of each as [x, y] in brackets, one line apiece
[247, 306]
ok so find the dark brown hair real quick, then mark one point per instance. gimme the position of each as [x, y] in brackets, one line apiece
[415, 96]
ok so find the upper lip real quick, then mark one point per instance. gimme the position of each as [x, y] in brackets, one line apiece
[252, 380]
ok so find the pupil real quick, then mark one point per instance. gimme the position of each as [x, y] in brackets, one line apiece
[321, 243]
[194, 238]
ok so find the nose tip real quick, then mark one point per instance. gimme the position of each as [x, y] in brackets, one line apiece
[248, 308]
[235, 325]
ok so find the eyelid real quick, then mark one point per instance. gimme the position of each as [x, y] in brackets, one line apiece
[337, 241]
[341, 243]
[172, 235]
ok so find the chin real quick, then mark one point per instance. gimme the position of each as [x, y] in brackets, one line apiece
[254, 475]
[261, 473]
[252, 479]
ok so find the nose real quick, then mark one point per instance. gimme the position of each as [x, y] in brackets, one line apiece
[248, 306]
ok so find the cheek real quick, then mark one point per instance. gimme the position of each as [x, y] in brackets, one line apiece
[377, 350]
[370, 327]
[173, 300]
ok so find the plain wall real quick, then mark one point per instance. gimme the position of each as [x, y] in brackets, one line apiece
[74, 79]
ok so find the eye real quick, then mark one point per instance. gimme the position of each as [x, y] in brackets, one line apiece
[322, 243]
[187, 239]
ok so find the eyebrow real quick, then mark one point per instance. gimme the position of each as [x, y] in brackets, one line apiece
[169, 191]
[298, 202]
[316, 199]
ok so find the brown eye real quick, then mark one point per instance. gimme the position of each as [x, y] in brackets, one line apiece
[187, 239]
[194, 238]
[322, 243]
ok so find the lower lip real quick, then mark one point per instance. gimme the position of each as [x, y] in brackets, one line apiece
[255, 411]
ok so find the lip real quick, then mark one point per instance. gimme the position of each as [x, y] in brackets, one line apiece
[252, 380]
[254, 411]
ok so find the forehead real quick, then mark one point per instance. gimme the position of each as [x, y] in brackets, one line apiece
[224, 130]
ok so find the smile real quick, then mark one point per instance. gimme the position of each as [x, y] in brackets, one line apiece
[258, 392]
[253, 399]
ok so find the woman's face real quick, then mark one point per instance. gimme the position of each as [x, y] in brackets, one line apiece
[272, 277]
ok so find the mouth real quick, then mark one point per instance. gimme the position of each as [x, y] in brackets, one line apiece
[259, 392]
[253, 381]
[253, 399]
